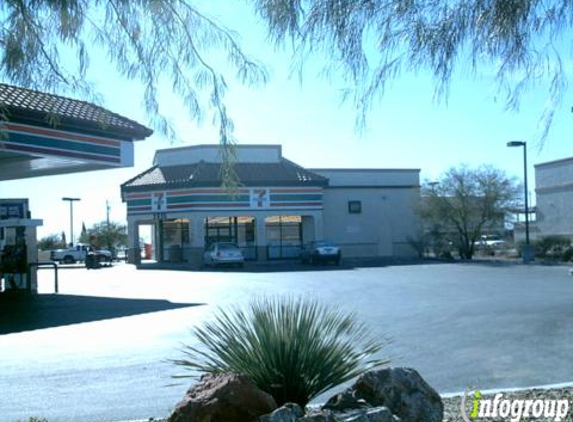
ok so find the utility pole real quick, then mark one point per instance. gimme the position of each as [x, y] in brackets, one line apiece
[107, 237]
[71, 201]
[107, 209]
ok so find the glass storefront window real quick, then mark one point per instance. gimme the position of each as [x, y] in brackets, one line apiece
[284, 236]
[176, 232]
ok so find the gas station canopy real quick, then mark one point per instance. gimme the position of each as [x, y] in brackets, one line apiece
[45, 134]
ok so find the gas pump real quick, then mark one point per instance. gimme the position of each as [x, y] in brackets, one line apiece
[14, 260]
[17, 246]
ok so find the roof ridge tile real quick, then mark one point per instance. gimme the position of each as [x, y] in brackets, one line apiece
[69, 109]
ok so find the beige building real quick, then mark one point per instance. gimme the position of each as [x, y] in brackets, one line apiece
[278, 207]
[554, 196]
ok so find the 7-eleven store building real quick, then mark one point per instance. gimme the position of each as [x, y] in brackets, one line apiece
[278, 207]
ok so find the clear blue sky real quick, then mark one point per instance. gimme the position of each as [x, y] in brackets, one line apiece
[406, 129]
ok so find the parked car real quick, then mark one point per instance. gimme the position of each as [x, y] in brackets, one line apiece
[97, 258]
[320, 251]
[490, 241]
[78, 253]
[223, 253]
[121, 254]
[70, 255]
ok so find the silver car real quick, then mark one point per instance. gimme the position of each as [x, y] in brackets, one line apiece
[223, 253]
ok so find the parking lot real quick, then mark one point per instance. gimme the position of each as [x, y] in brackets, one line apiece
[100, 350]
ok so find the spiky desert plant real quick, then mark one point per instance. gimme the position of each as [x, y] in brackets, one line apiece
[293, 348]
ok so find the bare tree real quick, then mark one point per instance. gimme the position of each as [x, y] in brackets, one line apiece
[465, 201]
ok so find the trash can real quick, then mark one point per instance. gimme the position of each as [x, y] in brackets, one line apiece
[175, 253]
[147, 251]
[528, 253]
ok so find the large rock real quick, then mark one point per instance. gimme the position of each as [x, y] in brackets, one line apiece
[344, 401]
[380, 414]
[290, 412]
[322, 416]
[402, 390]
[223, 397]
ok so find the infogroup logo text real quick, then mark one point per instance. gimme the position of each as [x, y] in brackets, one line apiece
[515, 410]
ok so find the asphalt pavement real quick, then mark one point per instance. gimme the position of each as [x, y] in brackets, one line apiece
[99, 351]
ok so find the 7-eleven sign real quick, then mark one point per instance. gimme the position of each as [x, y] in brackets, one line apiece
[159, 202]
[260, 198]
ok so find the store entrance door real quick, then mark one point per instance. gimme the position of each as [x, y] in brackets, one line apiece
[238, 229]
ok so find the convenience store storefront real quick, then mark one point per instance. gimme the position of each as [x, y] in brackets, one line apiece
[278, 206]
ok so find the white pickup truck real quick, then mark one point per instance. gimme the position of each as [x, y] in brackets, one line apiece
[78, 254]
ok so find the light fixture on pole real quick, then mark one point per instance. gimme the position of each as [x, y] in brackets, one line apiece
[433, 185]
[527, 250]
[71, 201]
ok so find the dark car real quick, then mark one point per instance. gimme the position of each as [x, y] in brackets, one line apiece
[97, 258]
[320, 251]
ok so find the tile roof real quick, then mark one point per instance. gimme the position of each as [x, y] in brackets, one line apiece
[203, 174]
[23, 103]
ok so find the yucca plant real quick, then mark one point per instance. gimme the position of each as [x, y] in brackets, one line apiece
[293, 348]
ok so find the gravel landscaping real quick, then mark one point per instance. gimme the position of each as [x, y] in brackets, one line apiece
[452, 404]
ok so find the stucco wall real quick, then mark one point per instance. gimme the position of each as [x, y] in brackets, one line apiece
[554, 195]
[211, 154]
[384, 226]
[553, 174]
[370, 177]
[554, 212]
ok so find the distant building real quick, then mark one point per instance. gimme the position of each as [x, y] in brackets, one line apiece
[554, 194]
[278, 206]
[519, 232]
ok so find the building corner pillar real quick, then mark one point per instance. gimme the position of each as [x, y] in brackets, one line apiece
[261, 239]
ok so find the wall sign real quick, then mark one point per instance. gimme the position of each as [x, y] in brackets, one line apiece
[260, 198]
[13, 208]
[158, 202]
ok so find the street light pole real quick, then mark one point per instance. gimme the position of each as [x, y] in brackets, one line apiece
[107, 235]
[71, 201]
[526, 194]
[524, 145]
[107, 209]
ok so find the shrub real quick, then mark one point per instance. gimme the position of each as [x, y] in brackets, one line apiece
[568, 254]
[552, 246]
[294, 349]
